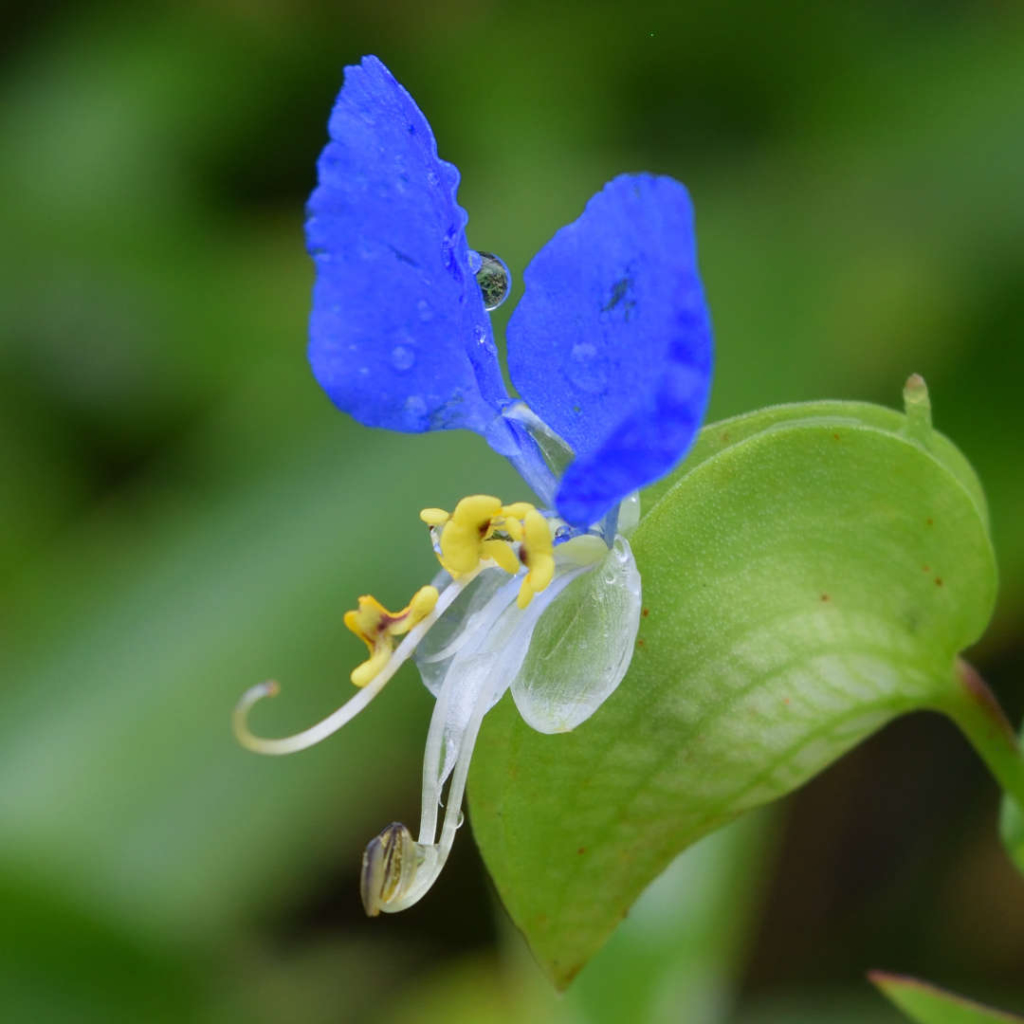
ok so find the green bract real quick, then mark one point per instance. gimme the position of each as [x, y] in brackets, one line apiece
[927, 1004]
[809, 573]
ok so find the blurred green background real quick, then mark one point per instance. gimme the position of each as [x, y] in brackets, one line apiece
[184, 513]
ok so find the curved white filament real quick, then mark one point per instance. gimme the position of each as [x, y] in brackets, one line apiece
[343, 715]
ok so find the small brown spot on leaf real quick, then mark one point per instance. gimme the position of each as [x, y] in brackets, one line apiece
[640, 642]
[938, 581]
[835, 437]
[926, 568]
[582, 850]
[785, 700]
[725, 435]
[930, 521]
[825, 597]
[646, 612]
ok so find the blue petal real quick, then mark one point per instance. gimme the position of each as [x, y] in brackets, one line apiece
[398, 334]
[611, 343]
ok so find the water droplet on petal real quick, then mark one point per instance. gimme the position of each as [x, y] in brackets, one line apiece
[585, 369]
[447, 251]
[494, 280]
[424, 310]
[402, 358]
[415, 412]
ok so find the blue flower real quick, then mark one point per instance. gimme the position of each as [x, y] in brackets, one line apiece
[610, 352]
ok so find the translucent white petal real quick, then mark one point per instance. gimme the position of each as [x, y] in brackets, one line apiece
[582, 645]
[469, 616]
[490, 656]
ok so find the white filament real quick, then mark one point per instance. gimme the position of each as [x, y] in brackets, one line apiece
[343, 715]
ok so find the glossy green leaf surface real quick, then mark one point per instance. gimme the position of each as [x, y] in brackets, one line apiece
[927, 1004]
[810, 572]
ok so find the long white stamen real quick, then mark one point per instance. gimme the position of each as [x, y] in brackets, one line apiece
[476, 633]
[432, 765]
[433, 856]
[343, 715]
[453, 811]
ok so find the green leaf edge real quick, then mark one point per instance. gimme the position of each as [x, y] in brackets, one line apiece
[716, 437]
[908, 994]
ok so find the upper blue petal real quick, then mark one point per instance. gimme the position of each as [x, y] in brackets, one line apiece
[399, 337]
[611, 342]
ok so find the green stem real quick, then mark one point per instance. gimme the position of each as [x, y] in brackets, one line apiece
[976, 711]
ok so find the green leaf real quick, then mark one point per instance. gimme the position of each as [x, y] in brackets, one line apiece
[930, 1005]
[811, 572]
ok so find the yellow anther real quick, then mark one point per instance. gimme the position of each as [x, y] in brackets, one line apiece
[525, 593]
[537, 554]
[513, 528]
[478, 509]
[470, 525]
[377, 627]
[434, 516]
[467, 539]
[502, 553]
[517, 510]
[364, 673]
[421, 605]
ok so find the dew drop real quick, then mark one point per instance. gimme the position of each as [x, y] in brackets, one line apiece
[402, 358]
[447, 252]
[494, 280]
[425, 311]
[484, 339]
[415, 412]
[585, 369]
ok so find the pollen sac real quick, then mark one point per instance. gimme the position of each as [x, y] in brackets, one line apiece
[389, 865]
[377, 628]
[494, 280]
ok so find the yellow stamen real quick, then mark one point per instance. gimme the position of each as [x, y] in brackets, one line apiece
[514, 528]
[517, 510]
[377, 627]
[365, 672]
[501, 552]
[470, 525]
[434, 516]
[466, 537]
[537, 554]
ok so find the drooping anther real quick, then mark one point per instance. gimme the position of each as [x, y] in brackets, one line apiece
[389, 866]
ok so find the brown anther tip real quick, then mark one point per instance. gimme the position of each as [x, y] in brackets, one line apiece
[915, 382]
[271, 687]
